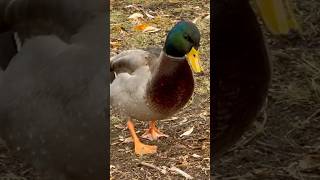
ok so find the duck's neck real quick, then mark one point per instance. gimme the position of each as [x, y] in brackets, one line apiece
[171, 85]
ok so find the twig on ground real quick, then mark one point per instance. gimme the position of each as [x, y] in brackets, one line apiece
[179, 171]
[163, 171]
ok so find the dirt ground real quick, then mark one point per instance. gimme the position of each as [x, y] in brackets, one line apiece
[288, 145]
[188, 153]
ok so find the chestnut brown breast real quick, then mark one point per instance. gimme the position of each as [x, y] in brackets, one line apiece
[171, 86]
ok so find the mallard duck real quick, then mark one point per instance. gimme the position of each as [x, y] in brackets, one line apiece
[243, 69]
[153, 84]
[53, 90]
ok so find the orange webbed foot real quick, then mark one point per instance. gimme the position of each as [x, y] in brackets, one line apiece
[153, 133]
[139, 147]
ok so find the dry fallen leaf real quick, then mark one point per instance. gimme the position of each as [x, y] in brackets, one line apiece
[151, 29]
[121, 138]
[187, 133]
[183, 121]
[196, 20]
[172, 118]
[195, 155]
[125, 140]
[128, 140]
[141, 27]
[146, 28]
[130, 6]
[115, 45]
[149, 15]
[135, 16]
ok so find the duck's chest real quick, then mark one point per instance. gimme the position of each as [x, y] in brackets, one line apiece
[170, 91]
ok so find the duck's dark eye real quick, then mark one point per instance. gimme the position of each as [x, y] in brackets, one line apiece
[188, 38]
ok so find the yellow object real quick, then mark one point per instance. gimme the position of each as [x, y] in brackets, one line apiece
[194, 60]
[278, 16]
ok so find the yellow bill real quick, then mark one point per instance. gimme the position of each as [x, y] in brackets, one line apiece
[278, 16]
[194, 60]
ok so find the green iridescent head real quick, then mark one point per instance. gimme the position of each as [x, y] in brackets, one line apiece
[182, 37]
[184, 40]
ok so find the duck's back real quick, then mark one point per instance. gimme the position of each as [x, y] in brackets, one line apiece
[242, 71]
[133, 69]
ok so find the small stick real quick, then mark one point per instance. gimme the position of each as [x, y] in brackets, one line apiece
[163, 171]
[179, 171]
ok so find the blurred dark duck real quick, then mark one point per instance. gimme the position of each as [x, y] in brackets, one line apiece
[243, 70]
[154, 84]
[53, 87]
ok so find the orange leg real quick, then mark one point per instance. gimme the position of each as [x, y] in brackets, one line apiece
[139, 147]
[153, 133]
